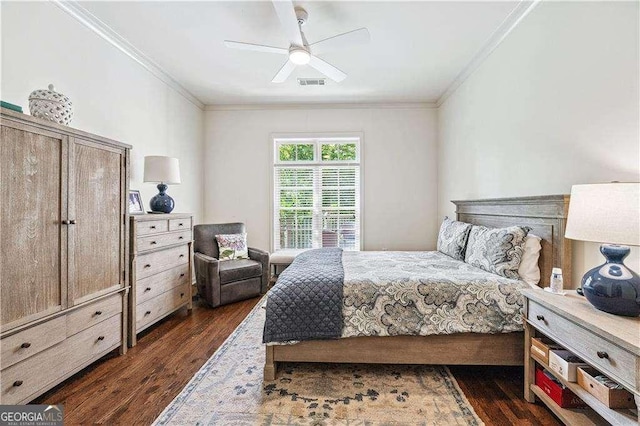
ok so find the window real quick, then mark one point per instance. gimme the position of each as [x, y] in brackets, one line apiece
[316, 193]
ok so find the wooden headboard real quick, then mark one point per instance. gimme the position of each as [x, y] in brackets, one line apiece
[546, 215]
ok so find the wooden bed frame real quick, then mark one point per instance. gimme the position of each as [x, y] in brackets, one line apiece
[545, 215]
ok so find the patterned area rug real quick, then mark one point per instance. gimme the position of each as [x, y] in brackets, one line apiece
[229, 390]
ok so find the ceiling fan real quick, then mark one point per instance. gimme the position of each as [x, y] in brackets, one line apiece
[300, 52]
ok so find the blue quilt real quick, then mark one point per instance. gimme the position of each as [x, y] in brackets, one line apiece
[306, 302]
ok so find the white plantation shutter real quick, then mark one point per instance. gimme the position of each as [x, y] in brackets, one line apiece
[338, 190]
[316, 203]
[294, 206]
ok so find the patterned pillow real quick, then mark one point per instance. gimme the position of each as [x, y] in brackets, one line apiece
[452, 238]
[497, 250]
[232, 246]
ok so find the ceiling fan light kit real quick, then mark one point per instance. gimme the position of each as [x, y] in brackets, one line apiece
[299, 56]
[300, 52]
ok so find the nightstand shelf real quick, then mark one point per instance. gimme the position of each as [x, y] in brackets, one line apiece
[608, 343]
[616, 417]
[570, 416]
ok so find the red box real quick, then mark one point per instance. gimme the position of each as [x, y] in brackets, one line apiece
[556, 391]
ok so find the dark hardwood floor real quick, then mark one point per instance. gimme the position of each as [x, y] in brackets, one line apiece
[134, 388]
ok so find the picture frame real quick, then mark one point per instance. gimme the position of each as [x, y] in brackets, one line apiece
[136, 206]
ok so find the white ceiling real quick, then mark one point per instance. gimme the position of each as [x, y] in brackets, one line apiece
[417, 48]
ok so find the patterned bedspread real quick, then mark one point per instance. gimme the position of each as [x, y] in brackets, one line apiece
[423, 293]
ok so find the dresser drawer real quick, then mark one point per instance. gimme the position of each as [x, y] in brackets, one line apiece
[152, 226]
[151, 242]
[28, 377]
[150, 287]
[160, 305]
[179, 224]
[29, 342]
[152, 263]
[93, 313]
[607, 357]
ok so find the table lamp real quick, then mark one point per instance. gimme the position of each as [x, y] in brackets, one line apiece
[161, 170]
[608, 213]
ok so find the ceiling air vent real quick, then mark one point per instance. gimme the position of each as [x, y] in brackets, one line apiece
[311, 81]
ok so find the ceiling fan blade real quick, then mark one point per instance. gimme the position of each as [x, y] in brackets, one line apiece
[327, 69]
[289, 20]
[284, 72]
[255, 47]
[352, 38]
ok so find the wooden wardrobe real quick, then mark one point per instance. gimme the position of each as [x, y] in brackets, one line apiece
[64, 252]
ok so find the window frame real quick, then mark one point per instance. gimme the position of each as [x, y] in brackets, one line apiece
[278, 139]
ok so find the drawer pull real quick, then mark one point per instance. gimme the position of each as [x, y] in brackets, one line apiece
[181, 224]
[65, 222]
[18, 383]
[153, 243]
[147, 289]
[181, 294]
[98, 313]
[72, 222]
[100, 338]
[147, 313]
[152, 227]
[602, 355]
[182, 255]
[25, 345]
[181, 238]
[147, 266]
[540, 318]
[181, 275]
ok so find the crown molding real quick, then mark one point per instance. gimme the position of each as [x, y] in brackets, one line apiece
[522, 9]
[258, 107]
[93, 23]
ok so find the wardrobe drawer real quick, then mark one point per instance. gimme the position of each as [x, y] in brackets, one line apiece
[159, 306]
[607, 357]
[94, 340]
[152, 242]
[26, 378]
[150, 287]
[179, 224]
[29, 342]
[93, 313]
[152, 263]
[152, 227]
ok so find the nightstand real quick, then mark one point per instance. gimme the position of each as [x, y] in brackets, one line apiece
[609, 343]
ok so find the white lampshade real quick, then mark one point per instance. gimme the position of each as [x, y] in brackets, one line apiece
[605, 213]
[161, 169]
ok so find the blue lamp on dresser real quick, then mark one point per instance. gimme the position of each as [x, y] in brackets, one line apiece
[608, 213]
[163, 171]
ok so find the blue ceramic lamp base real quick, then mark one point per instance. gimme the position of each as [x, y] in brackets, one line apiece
[162, 202]
[612, 287]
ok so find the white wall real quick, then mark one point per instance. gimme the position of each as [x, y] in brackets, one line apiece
[399, 169]
[555, 104]
[113, 96]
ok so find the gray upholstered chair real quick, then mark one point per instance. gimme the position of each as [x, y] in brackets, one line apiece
[227, 281]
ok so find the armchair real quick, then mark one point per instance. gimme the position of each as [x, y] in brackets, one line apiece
[227, 281]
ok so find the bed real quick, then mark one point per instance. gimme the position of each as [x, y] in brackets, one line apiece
[482, 345]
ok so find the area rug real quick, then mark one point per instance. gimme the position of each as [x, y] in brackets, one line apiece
[229, 390]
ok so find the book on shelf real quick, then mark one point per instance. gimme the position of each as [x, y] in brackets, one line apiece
[13, 107]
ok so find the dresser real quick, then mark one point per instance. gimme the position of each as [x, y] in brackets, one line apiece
[63, 262]
[608, 343]
[161, 268]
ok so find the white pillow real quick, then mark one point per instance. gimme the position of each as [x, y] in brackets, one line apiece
[529, 270]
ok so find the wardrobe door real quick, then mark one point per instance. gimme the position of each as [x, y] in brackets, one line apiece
[96, 220]
[33, 239]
